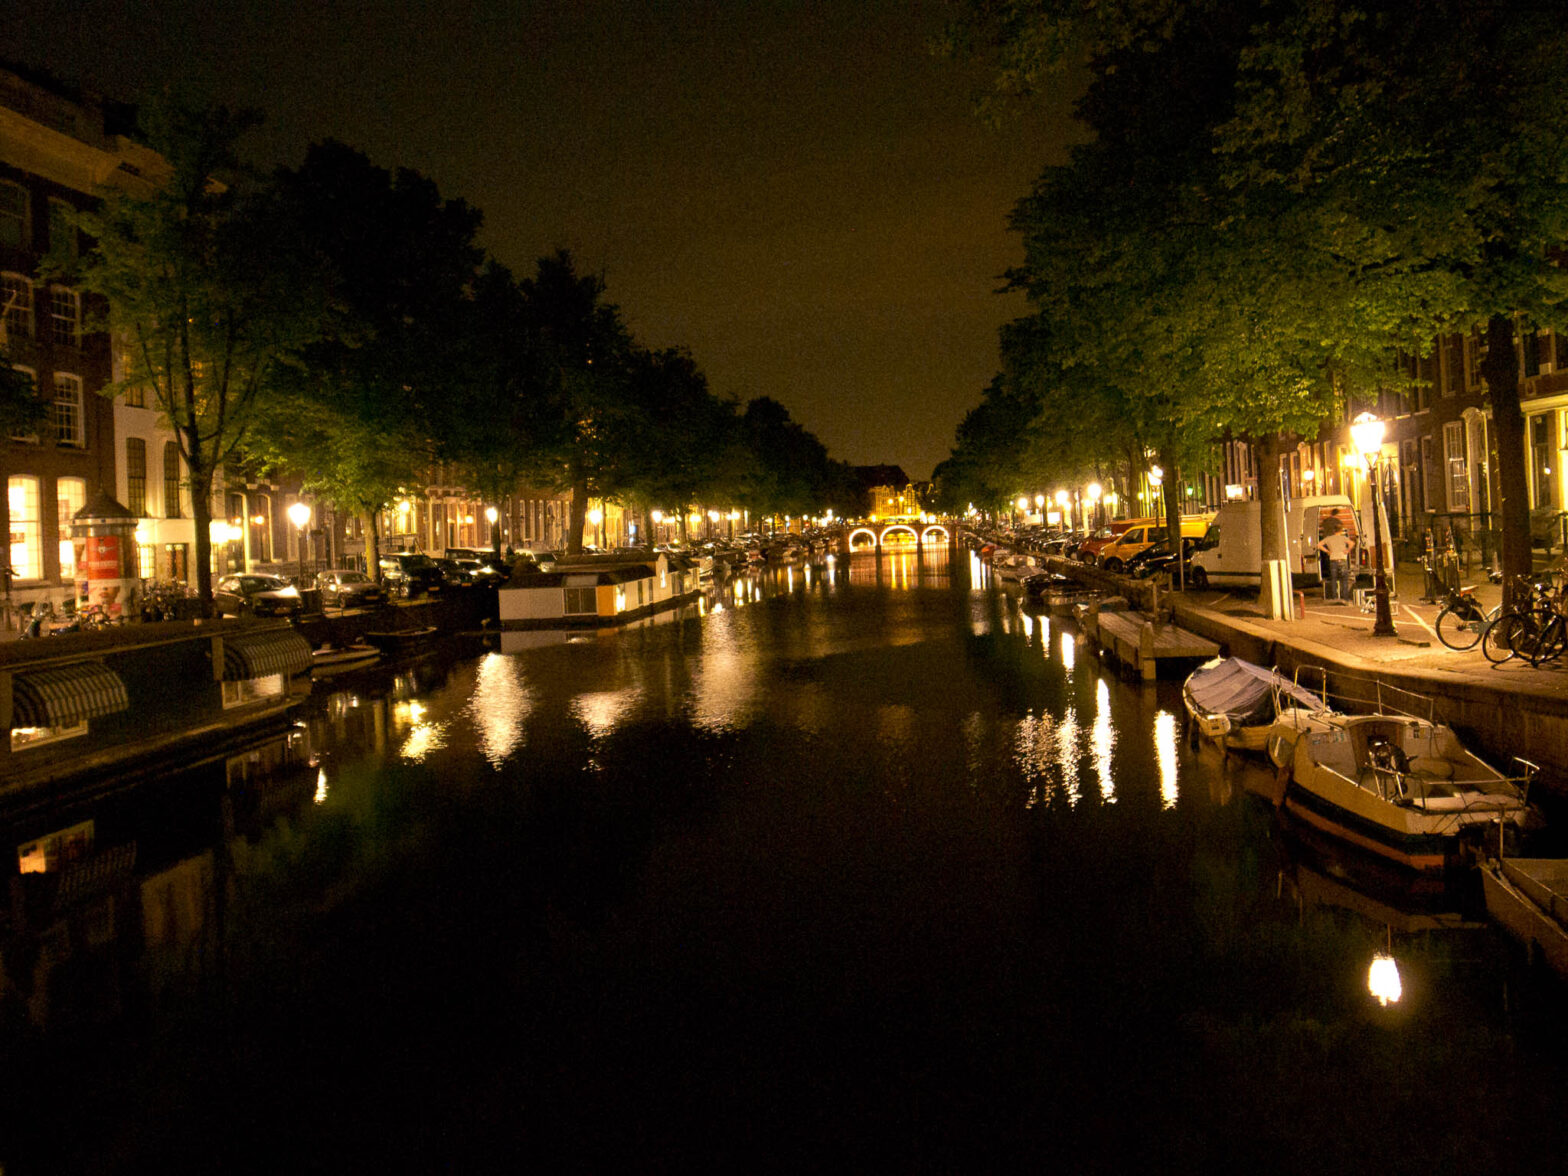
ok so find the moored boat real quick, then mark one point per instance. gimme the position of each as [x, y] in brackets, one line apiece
[1529, 898]
[326, 661]
[1402, 787]
[402, 640]
[1234, 703]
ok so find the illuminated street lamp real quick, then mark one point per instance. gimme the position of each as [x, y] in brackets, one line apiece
[491, 515]
[1093, 490]
[596, 517]
[299, 515]
[1366, 431]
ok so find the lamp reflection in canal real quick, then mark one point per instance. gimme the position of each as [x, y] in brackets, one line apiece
[423, 737]
[1383, 980]
[602, 711]
[1103, 740]
[1069, 651]
[1165, 753]
[321, 786]
[500, 706]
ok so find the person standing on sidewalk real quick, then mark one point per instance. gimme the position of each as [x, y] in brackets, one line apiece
[1338, 547]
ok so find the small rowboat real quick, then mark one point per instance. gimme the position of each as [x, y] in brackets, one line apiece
[402, 640]
[327, 661]
[1234, 703]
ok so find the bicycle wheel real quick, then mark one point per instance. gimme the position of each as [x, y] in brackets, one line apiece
[1553, 637]
[1460, 627]
[1506, 637]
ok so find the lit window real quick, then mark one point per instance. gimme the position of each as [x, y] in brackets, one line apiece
[252, 690]
[27, 556]
[62, 229]
[171, 480]
[70, 497]
[13, 215]
[69, 427]
[24, 737]
[65, 316]
[136, 476]
[31, 378]
[581, 601]
[16, 291]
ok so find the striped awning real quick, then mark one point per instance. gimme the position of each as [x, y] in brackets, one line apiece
[62, 696]
[256, 655]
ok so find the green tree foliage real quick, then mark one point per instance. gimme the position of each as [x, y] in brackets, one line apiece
[200, 296]
[1421, 147]
[583, 413]
[363, 410]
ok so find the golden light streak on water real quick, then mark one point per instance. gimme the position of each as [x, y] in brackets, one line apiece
[602, 711]
[321, 786]
[1069, 650]
[422, 740]
[1165, 752]
[1103, 740]
[1383, 980]
[500, 706]
[1067, 752]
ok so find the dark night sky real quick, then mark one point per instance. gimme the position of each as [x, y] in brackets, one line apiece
[797, 192]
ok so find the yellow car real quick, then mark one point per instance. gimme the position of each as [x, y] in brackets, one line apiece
[1115, 554]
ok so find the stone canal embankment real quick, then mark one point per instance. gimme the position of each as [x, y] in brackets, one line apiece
[1500, 711]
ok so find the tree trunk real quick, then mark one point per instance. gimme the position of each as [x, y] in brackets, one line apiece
[1500, 370]
[1273, 543]
[579, 519]
[201, 515]
[369, 524]
[1172, 487]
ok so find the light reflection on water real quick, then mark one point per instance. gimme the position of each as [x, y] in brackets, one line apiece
[898, 787]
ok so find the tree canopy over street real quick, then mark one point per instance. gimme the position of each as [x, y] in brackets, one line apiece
[1276, 200]
[338, 323]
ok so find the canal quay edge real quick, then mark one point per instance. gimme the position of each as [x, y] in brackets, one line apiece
[1502, 714]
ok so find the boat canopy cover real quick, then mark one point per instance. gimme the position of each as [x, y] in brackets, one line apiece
[1243, 691]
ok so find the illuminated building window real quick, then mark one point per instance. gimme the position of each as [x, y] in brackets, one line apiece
[65, 316]
[25, 737]
[13, 215]
[136, 476]
[69, 426]
[581, 601]
[27, 555]
[16, 292]
[252, 690]
[171, 480]
[62, 232]
[70, 497]
[28, 375]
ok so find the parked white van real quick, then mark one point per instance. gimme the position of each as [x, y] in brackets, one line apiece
[1231, 551]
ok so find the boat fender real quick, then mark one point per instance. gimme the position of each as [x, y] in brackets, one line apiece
[1281, 783]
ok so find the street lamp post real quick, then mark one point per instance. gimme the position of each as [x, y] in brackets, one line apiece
[1094, 490]
[491, 515]
[299, 515]
[1366, 431]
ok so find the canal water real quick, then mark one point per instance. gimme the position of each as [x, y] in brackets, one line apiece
[857, 863]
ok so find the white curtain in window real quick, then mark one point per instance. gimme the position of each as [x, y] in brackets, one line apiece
[27, 555]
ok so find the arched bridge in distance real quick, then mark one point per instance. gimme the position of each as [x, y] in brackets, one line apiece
[937, 532]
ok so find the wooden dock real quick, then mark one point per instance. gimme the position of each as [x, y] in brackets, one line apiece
[1141, 645]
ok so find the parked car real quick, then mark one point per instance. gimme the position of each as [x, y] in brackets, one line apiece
[455, 573]
[256, 595]
[409, 574]
[485, 571]
[1114, 555]
[346, 588]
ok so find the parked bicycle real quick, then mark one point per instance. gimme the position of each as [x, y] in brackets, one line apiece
[1524, 629]
[1462, 620]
